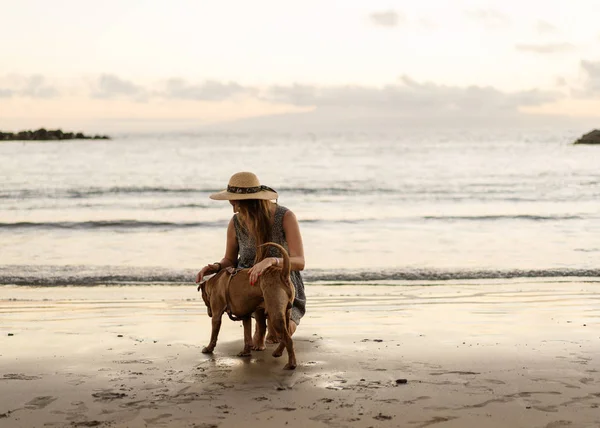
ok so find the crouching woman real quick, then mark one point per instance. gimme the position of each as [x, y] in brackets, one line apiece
[256, 220]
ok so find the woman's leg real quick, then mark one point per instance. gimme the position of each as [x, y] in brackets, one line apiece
[271, 336]
[292, 327]
[259, 334]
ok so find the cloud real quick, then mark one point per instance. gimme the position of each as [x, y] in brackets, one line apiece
[110, 86]
[546, 48]
[400, 101]
[28, 86]
[544, 27]
[208, 91]
[489, 17]
[299, 95]
[388, 18]
[592, 79]
[410, 97]
[35, 87]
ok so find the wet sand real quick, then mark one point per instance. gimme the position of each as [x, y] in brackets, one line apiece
[518, 353]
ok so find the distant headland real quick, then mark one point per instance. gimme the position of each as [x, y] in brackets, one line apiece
[48, 135]
[590, 138]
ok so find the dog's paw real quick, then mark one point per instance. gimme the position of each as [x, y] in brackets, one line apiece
[289, 366]
[272, 340]
[259, 347]
[277, 353]
[207, 350]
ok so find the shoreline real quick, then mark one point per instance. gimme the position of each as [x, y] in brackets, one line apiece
[94, 276]
[506, 353]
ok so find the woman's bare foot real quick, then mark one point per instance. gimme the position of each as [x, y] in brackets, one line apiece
[272, 340]
[258, 341]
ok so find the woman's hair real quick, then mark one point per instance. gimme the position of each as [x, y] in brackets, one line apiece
[255, 217]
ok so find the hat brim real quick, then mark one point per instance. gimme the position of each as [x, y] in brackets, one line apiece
[224, 195]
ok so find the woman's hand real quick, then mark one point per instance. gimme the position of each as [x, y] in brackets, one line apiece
[207, 270]
[256, 270]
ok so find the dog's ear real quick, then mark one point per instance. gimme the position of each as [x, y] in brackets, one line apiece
[205, 298]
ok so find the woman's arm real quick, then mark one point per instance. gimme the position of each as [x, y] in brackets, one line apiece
[294, 241]
[231, 248]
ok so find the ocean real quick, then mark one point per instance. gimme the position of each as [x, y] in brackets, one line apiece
[403, 208]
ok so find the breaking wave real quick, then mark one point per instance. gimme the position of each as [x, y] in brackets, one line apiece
[44, 275]
[111, 224]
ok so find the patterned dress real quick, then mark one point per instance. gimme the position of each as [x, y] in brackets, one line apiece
[247, 254]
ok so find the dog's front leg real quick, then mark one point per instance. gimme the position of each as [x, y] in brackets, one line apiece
[247, 338]
[216, 326]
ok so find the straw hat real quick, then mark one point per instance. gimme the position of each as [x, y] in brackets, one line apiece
[244, 185]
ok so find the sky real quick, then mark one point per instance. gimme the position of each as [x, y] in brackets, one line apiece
[154, 65]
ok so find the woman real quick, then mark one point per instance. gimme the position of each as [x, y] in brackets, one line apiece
[257, 220]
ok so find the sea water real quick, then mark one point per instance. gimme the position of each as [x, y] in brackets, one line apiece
[418, 205]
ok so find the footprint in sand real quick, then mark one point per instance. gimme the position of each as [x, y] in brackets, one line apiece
[157, 418]
[40, 402]
[458, 372]
[546, 409]
[108, 396]
[19, 376]
[558, 424]
[86, 424]
[495, 381]
[413, 401]
[527, 394]
[326, 418]
[382, 417]
[434, 420]
[140, 361]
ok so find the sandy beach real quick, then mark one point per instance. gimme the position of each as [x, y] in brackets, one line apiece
[506, 353]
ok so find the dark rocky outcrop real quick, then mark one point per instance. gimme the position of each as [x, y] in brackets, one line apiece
[48, 135]
[590, 138]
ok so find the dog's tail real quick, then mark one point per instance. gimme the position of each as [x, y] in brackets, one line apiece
[286, 268]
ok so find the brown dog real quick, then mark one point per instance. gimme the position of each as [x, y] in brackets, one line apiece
[230, 291]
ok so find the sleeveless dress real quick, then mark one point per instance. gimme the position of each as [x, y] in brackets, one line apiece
[247, 254]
